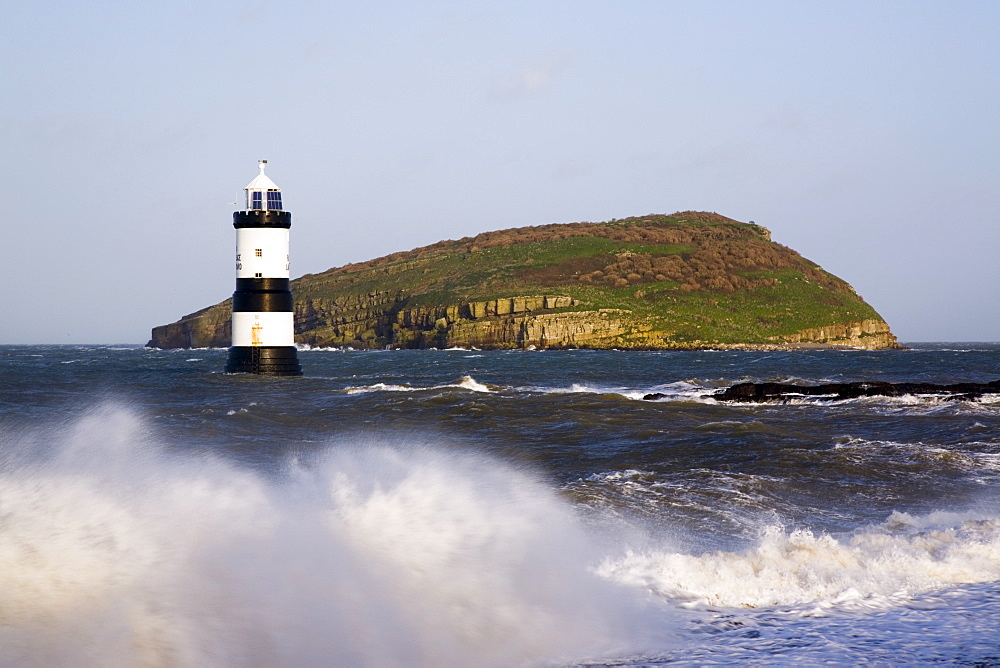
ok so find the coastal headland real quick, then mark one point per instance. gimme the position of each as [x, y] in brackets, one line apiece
[689, 280]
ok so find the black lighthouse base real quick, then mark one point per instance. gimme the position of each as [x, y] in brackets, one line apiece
[264, 360]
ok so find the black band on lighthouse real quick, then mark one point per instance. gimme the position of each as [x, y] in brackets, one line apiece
[258, 218]
[264, 360]
[262, 294]
[262, 285]
[262, 301]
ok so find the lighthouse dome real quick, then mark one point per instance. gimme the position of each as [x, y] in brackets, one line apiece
[263, 193]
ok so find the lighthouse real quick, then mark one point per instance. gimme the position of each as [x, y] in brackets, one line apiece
[263, 325]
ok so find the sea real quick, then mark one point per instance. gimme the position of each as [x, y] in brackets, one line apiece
[495, 508]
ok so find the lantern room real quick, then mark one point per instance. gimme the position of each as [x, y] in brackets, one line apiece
[263, 194]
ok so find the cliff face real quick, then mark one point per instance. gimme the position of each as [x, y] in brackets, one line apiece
[683, 281]
[864, 335]
[208, 328]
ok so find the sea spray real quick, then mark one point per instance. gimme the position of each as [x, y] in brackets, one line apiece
[875, 567]
[114, 551]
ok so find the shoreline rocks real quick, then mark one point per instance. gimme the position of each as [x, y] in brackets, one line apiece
[778, 392]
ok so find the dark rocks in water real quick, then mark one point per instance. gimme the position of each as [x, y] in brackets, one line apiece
[763, 392]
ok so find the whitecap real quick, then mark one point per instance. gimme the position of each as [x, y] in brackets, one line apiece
[875, 567]
[115, 552]
[464, 383]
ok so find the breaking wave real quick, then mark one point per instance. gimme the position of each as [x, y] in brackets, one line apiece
[115, 550]
[875, 567]
[463, 383]
[678, 391]
[119, 548]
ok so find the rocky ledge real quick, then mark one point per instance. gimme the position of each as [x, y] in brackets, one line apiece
[778, 392]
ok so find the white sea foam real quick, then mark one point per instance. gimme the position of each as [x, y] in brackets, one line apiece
[470, 383]
[876, 567]
[113, 552]
[576, 388]
[380, 387]
[973, 456]
[678, 391]
[464, 383]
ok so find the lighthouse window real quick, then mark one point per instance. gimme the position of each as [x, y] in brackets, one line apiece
[255, 201]
[274, 200]
[259, 252]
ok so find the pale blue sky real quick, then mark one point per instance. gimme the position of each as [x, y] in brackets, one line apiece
[865, 135]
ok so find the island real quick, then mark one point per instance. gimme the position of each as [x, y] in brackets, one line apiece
[688, 280]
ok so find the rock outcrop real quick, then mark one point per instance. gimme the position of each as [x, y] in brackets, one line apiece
[864, 335]
[208, 328]
[688, 280]
[385, 320]
[777, 392]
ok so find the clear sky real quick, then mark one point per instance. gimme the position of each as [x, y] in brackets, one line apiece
[863, 134]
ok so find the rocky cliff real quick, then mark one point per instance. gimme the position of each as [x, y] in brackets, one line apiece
[864, 335]
[688, 280]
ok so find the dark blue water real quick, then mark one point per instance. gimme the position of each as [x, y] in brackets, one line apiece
[494, 508]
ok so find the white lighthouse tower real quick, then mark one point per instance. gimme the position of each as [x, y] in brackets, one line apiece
[263, 326]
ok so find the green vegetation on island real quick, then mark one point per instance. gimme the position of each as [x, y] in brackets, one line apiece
[686, 280]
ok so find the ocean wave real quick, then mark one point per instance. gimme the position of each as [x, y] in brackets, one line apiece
[907, 404]
[306, 348]
[576, 388]
[952, 347]
[372, 553]
[704, 504]
[922, 404]
[875, 567]
[683, 390]
[973, 457]
[464, 383]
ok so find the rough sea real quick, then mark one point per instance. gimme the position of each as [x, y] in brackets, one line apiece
[469, 508]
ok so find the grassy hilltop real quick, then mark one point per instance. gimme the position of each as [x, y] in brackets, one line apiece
[686, 280]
